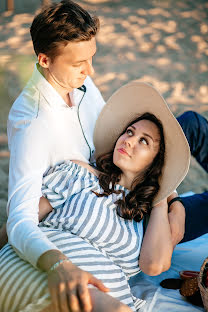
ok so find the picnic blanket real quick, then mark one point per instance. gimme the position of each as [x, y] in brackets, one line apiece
[186, 256]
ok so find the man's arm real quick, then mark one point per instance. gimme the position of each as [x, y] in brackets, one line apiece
[44, 209]
[29, 158]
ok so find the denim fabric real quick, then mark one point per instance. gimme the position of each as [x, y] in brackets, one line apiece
[195, 128]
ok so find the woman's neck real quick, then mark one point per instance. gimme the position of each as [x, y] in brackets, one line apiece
[126, 180]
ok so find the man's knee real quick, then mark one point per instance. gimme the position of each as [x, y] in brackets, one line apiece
[188, 120]
[195, 128]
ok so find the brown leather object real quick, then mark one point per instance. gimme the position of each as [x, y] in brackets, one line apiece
[188, 274]
[190, 290]
[189, 287]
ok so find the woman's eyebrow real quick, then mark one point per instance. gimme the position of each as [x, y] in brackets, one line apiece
[145, 134]
[148, 135]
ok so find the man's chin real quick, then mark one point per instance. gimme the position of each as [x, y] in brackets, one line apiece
[81, 81]
[78, 83]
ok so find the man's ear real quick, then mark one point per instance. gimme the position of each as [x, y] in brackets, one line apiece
[43, 60]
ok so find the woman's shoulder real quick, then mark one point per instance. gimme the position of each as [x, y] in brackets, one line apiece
[69, 178]
[87, 166]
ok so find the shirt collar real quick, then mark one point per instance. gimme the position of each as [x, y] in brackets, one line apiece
[50, 94]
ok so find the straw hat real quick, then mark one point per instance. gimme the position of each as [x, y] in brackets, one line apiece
[125, 105]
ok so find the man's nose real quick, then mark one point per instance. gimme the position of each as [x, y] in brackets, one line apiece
[89, 70]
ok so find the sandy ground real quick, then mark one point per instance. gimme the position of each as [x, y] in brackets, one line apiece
[161, 42]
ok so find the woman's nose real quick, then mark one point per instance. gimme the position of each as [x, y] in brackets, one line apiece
[130, 141]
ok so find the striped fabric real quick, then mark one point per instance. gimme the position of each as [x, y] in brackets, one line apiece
[84, 227]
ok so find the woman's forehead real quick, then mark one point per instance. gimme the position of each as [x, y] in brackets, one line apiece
[145, 124]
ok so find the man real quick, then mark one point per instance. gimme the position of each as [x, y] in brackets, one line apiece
[53, 120]
[54, 116]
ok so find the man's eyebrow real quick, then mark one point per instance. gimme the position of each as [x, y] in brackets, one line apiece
[81, 61]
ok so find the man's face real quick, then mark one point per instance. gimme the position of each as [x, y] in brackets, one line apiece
[71, 67]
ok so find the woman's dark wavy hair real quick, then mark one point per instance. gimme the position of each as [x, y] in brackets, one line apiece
[59, 23]
[138, 202]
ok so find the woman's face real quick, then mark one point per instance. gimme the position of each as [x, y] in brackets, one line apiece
[137, 147]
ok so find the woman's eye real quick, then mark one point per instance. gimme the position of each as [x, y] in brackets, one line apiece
[144, 141]
[129, 132]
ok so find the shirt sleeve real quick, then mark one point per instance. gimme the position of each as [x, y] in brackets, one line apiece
[29, 158]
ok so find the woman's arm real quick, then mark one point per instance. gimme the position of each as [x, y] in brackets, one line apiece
[44, 207]
[87, 166]
[157, 246]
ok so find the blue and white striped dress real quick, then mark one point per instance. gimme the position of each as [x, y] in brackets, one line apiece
[87, 229]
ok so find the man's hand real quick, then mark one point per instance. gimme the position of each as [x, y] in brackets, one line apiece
[68, 286]
[176, 218]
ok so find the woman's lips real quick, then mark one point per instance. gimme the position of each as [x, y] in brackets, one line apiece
[123, 151]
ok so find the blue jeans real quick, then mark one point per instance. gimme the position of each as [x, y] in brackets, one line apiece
[195, 128]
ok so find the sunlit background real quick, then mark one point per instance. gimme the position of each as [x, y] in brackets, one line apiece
[163, 42]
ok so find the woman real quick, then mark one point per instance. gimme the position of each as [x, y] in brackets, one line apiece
[96, 223]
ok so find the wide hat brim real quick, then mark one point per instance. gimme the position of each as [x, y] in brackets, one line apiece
[125, 105]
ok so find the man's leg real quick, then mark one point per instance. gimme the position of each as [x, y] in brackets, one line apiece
[195, 128]
[196, 207]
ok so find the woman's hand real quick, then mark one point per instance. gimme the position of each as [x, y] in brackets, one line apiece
[68, 286]
[176, 218]
[162, 205]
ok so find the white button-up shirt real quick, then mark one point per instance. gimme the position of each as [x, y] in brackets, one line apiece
[43, 131]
